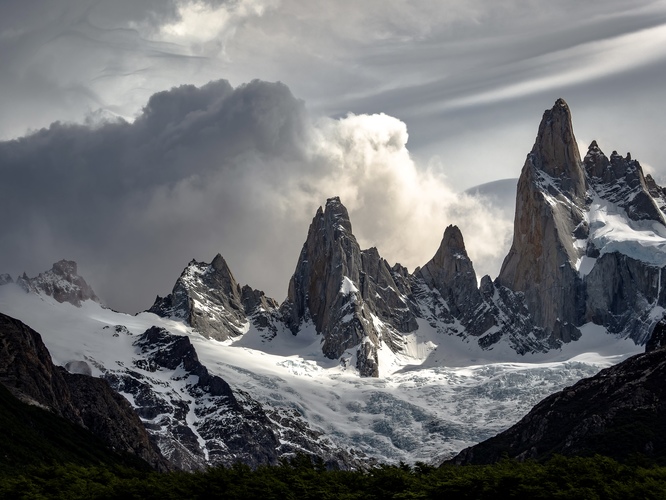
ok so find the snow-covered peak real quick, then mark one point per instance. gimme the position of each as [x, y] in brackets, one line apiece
[208, 298]
[620, 180]
[61, 282]
[612, 230]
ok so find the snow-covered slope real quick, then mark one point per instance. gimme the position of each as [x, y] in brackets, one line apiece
[364, 360]
[440, 395]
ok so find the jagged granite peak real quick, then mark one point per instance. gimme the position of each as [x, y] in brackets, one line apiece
[555, 151]
[27, 370]
[449, 298]
[356, 301]
[452, 273]
[341, 290]
[62, 282]
[619, 412]
[550, 203]
[208, 298]
[621, 181]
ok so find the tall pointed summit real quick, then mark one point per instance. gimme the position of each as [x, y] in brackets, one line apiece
[551, 194]
[208, 298]
[451, 272]
[353, 298]
[555, 152]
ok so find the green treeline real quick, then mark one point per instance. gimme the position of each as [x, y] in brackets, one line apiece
[572, 478]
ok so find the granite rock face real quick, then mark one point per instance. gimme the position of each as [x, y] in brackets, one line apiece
[61, 282]
[619, 412]
[209, 299]
[549, 209]
[27, 370]
[352, 297]
[621, 294]
[561, 201]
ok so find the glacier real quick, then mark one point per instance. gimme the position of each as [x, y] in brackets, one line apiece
[439, 395]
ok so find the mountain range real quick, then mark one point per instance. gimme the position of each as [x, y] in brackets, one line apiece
[363, 360]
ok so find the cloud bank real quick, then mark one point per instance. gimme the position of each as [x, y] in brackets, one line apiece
[214, 168]
[464, 75]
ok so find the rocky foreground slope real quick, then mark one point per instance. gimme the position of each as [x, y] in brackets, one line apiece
[26, 369]
[619, 412]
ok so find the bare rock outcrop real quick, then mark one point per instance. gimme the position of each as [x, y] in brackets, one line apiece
[208, 298]
[549, 211]
[27, 370]
[61, 282]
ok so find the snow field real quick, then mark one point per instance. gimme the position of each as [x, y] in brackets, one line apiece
[438, 396]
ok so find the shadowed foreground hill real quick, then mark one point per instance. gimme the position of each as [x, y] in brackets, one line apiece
[619, 412]
[33, 436]
[28, 374]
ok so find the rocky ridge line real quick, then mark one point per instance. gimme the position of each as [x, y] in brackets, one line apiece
[27, 370]
[62, 282]
[619, 412]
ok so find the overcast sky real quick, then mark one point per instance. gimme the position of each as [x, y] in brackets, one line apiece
[117, 152]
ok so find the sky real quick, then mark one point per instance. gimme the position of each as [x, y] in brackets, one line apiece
[136, 135]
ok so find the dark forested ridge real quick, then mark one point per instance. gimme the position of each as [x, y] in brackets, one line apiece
[582, 478]
[32, 436]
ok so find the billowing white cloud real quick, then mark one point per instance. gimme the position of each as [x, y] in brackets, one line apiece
[396, 205]
[216, 169]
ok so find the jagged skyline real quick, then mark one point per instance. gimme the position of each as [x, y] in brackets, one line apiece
[465, 82]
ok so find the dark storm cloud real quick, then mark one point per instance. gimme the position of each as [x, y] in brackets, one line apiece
[238, 171]
[140, 197]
